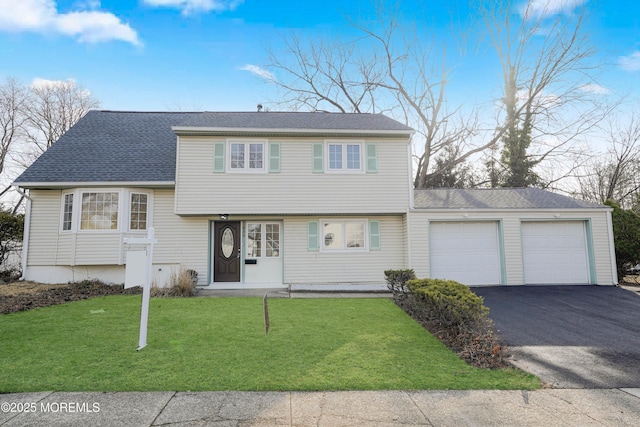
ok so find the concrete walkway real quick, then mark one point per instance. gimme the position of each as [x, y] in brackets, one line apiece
[548, 407]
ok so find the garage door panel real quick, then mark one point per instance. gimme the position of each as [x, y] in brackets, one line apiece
[467, 252]
[555, 252]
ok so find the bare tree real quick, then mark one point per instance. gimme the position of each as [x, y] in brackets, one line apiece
[616, 176]
[13, 97]
[32, 118]
[549, 98]
[53, 107]
[389, 69]
[396, 69]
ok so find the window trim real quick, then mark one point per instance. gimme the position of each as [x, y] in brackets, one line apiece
[247, 143]
[344, 144]
[124, 209]
[343, 222]
[74, 211]
[82, 192]
[130, 194]
[263, 239]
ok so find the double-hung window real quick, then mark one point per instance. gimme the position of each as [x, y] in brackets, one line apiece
[344, 156]
[263, 240]
[247, 156]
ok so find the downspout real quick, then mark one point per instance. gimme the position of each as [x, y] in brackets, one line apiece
[612, 249]
[411, 202]
[27, 229]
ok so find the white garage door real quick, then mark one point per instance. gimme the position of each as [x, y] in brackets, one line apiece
[467, 252]
[555, 253]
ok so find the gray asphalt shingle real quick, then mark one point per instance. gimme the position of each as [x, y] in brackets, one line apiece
[295, 120]
[496, 198]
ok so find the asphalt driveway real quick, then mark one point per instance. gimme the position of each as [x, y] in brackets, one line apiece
[570, 336]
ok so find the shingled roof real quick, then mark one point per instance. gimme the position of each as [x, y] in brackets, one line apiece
[320, 121]
[124, 146]
[496, 198]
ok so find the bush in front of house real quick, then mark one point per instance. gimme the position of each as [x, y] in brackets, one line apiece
[456, 316]
[397, 282]
[182, 283]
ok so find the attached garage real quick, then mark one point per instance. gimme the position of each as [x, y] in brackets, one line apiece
[510, 236]
[555, 252]
[467, 252]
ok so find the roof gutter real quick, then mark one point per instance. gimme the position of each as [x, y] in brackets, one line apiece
[262, 131]
[26, 232]
[71, 184]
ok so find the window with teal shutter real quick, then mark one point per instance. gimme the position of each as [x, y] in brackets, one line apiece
[374, 235]
[318, 158]
[274, 157]
[372, 158]
[218, 157]
[312, 235]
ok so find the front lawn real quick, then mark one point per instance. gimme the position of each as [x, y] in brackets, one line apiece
[220, 344]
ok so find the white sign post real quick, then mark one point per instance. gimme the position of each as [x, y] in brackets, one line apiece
[133, 268]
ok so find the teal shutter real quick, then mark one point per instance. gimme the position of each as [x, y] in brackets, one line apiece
[312, 236]
[218, 157]
[318, 158]
[274, 157]
[374, 235]
[372, 158]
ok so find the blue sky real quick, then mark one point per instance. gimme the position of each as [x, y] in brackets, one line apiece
[207, 54]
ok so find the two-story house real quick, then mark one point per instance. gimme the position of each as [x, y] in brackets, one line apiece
[276, 199]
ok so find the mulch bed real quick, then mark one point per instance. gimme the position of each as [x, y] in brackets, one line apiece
[20, 297]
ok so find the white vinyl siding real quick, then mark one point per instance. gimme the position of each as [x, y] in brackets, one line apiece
[296, 189]
[303, 266]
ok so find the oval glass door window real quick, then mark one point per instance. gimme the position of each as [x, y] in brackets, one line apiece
[227, 243]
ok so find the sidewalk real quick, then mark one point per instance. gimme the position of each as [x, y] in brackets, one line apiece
[548, 407]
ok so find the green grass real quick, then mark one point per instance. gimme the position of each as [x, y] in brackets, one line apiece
[220, 344]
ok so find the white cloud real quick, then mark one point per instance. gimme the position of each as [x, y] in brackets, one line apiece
[544, 8]
[630, 62]
[595, 88]
[189, 7]
[42, 16]
[260, 72]
[69, 84]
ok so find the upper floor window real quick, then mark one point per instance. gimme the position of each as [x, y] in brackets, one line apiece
[246, 156]
[344, 156]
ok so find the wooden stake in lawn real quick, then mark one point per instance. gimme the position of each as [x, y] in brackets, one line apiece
[265, 306]
[134, 277]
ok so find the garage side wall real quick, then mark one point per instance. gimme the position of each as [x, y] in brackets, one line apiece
[510, 227]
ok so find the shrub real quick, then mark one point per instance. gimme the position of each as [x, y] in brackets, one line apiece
[450, 303]
[397, 282]
[458, 317]
[182, 283]
[626, 233]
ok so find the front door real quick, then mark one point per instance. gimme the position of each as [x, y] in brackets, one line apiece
[226, 257]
